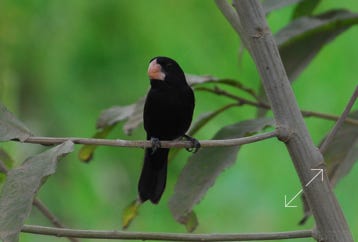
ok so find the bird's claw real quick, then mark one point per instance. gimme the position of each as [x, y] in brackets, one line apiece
[194, 143]
[155, 144]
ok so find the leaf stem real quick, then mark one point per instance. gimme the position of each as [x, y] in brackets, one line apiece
[340, 122]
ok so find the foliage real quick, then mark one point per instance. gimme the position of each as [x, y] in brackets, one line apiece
[89, 56]
[202, 169]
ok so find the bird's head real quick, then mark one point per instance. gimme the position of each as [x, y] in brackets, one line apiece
[166, 70]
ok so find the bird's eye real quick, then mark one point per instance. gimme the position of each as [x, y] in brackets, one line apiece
[168, 65]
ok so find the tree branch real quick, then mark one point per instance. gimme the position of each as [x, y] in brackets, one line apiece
[244, 101]
[329, 217]
[218, 91]
[235, 84]
[340, 122]
[103, 234]
[148, 144]
[50, 216]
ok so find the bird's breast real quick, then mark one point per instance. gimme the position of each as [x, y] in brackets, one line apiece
[168, 113]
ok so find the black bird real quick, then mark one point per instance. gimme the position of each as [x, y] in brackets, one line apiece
[168, 113]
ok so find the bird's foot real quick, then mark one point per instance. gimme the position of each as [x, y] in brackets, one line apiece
[155, 144]
[194, 142]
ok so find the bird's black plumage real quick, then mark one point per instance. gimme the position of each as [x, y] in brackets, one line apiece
[168, 112]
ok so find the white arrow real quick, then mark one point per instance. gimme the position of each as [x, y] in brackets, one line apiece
[287, 204]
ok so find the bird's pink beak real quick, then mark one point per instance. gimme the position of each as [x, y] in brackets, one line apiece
[155, 71]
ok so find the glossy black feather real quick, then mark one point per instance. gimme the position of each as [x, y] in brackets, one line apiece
[167, 115]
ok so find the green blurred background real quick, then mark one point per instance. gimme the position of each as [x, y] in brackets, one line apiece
[62, 62]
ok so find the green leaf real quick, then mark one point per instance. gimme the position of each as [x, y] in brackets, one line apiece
[21, 186]
[10, 127]
[305, 8]
[86, 152]
[130, 213]
[202, 169]
[190, 221]
[301, 40]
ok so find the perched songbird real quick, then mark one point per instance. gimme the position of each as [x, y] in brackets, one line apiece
[168, 112]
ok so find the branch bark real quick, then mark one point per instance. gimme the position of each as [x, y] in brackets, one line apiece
[330, 221]
[102, 234]
[148, 144]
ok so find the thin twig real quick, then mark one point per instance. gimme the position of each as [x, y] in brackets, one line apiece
[244, 101]
[103, 234]
[240, 86]
[42, 208]
[225, 81]
[328, 117]
[218, 91]
[340, 122]
[50, 216]
[148, 144]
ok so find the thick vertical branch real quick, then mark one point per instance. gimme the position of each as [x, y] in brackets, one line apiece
[232, 18]
[330, 221]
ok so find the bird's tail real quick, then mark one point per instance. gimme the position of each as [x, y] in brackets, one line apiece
[154, 175]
